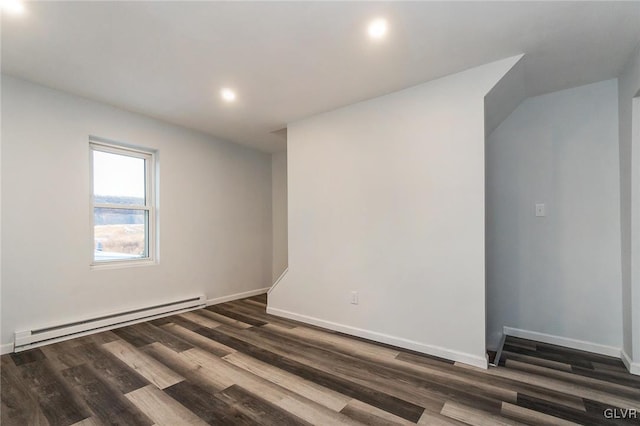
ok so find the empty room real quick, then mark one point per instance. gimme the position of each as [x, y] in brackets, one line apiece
[327, 213]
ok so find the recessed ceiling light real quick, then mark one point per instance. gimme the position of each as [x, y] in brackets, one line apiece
[14, 7]
[228, 95]
[377, 28]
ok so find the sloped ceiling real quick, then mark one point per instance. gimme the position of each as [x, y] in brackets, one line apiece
[289, 60]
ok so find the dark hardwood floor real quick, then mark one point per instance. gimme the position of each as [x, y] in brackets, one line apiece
[234, 364]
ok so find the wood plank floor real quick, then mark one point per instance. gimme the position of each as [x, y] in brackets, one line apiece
[234, 364]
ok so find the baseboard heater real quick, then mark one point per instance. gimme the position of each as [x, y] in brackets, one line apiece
[56, 333]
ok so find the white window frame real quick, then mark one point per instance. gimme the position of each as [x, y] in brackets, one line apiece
[150, 205]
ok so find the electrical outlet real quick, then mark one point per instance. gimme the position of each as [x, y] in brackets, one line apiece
[354, 298]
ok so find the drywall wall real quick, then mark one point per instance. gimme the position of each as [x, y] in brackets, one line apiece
[386, 198]
[635, 232]
[215, 212]
[279, 209]
[4, 348]
[505, 96]
[558, 274]
[628, 88]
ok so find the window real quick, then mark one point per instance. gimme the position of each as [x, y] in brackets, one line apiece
[123, 204]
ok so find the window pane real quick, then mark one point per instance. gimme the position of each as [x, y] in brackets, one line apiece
[118, 179]
[120, 234]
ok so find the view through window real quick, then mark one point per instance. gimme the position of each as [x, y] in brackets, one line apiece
[123, 212]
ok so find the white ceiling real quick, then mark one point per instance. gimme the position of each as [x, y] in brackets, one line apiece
[289, 60]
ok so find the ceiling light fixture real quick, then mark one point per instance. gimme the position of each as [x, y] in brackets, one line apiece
[377, 28]
[228, 95]
[14, 7]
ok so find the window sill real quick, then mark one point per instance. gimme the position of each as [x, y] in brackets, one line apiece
[119, 264]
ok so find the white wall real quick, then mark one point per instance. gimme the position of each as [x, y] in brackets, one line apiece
[386, 197]
[558, 274]
[505, 96]
[3, 349]
[215, 211]
[628, 87]
[279, 209]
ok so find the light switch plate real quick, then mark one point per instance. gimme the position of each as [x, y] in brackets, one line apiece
[541, 211]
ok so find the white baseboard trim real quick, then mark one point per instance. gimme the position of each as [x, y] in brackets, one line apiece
[567, 342]
[7, 348]
[476, 361]
[278, 280]
[236, 296]
[633, 367]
